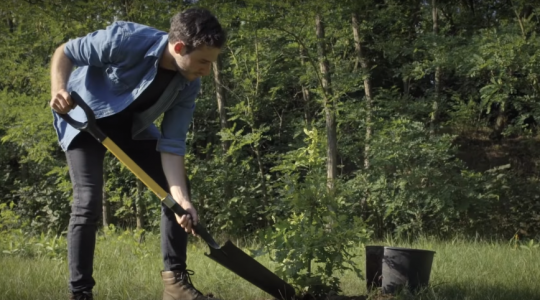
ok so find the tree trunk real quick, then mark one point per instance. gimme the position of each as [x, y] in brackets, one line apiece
[25, 174]
[406, 86]
[367, 86]
[263, 181]
[221, 100]
[331, 132]
[139, 207]
[256, 148]
[222, 108]
[471, 2]
[127, 9]
[414, 20]
[105, 203]
[11, 25]
[305, 91]
[500, 121]
[438, 71]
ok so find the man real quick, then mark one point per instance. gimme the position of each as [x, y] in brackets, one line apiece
[130, 74]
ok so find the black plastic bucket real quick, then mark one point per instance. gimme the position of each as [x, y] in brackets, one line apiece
[374, 258]
[405, 267]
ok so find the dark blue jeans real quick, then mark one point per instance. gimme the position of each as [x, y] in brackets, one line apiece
[85, 159]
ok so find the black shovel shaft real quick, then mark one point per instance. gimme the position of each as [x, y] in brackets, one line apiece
[88, 126]
[91, 127]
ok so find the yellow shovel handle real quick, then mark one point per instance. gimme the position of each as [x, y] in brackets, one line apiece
[135, 169]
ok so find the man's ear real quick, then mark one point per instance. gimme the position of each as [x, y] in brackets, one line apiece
[180, 48]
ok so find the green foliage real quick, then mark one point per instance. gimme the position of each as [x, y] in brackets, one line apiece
[510, 62]
[17, 238]
[237, 215]
[8, 218]
[16, 242]
[513, 205]
[312, 242]
[415, 184]
[260, 174]
[135, 239]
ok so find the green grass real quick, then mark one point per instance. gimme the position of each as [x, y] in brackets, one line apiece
[126, 270]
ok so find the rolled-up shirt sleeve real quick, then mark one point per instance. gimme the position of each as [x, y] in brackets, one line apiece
[176, 121]
[96, 48]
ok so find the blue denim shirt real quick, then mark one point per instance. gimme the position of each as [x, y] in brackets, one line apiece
[114, 66]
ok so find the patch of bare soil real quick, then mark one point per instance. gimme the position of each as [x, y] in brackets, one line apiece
[480, 152]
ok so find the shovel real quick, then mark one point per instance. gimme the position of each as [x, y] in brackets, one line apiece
[228, 255]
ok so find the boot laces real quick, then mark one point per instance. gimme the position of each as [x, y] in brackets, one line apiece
[184, 276]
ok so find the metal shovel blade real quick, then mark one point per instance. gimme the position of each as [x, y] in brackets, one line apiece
[245, 266]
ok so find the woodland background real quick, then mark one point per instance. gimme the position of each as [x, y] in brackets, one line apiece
[361, 118]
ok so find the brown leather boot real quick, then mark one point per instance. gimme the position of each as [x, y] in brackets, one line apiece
[178, 286]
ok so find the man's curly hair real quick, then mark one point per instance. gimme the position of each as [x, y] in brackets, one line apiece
[196, 27]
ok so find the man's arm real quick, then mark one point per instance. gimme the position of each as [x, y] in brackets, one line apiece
[95, 49]
[61, 68]
[172, 145]
[175, 172]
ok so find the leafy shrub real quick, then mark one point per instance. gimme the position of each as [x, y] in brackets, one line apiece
[415, 184]
[314, 230]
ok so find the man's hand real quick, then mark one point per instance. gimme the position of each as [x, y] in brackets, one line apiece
[189, 220]
[61, 67]
[61, 102]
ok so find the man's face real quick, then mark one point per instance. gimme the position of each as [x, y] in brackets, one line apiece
[196, 63]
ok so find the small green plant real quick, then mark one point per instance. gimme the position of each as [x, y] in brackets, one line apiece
[12, 241]
[53, 247]
[16, 247]
[518, 243]
[314, 243]
[23, 244]
[530, 245]
[8, 218]
[135, 239]
[16, 238]
[314, 231]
